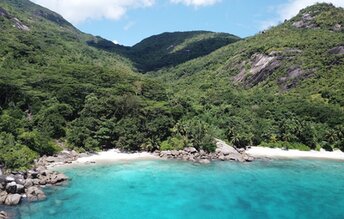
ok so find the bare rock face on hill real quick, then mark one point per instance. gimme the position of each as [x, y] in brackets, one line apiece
[339, 50]
[338, 27]
[293, 76]
[4, 13]
[262, 66]
[16, 22]
[307, 21]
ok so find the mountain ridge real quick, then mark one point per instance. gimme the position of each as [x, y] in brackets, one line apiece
[168, 49]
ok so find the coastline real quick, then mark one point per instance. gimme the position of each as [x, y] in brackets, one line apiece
[256, 152]
[47, 169]
[265, 152]
[112, 156]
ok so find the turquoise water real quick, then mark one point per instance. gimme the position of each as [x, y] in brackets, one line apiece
[171, 189]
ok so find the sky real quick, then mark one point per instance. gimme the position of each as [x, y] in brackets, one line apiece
[127, 22]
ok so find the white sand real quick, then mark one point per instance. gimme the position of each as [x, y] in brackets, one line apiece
[260, 152]
[113, 156]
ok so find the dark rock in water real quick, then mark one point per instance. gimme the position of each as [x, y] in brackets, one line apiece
[59, 178]
[13, 199]
[11, 188]
[3, 196]
[35, 194]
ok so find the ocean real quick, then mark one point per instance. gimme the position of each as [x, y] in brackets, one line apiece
[150, 189]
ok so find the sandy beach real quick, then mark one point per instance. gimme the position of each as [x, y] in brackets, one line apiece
[261, 152]
[113, 156]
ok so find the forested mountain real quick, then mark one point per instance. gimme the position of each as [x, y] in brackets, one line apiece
[54, 86]
[283, 86]
[62, 88]
[168, 49]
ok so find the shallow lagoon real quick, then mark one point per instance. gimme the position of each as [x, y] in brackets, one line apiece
[172, 189]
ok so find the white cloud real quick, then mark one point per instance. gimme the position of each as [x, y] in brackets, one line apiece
[77, 11]
[292, 8]
[196, 3]
[115, 41]
[129, 25]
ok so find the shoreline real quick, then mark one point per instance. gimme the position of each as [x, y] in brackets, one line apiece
[265, 152]
[114, 155]
[47, 171]
[111, 156]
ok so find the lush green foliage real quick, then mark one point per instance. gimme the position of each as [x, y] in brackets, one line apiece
[57, 83]
[168, 49]
[54, 86]
[304, 111]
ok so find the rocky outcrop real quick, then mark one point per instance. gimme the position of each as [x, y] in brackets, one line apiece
[35, 194]
[223, 152]
[338, 50]
[13, 199]
[262, 66]
[16, 22]
[3, 215]
[11, 188]
[338, 28]
[293, 76]
[307, 21]
[27, 185]
[19, 25]
[4, 13]
[64, 157]
[3, 196]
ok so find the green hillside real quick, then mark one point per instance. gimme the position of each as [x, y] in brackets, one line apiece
[168, 49]
[171, 49]
[62, 88]
[55, 89]
[281, 87]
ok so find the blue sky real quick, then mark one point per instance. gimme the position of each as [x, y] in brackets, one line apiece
[129, 21]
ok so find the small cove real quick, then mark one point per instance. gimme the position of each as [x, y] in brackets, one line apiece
[173, 189]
